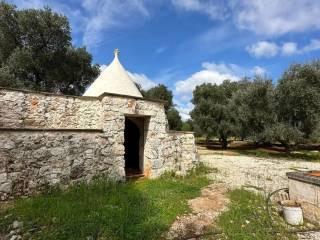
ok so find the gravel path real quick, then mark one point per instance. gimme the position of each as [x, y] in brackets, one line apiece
[269, 174]
[265, 173]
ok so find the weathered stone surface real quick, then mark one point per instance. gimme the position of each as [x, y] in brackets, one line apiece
[6, 187]
[31, 159]
[309, 196]
[3, 177]
[23, 109]
[70, 157]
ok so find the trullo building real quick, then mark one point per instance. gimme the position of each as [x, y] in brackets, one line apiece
[111, 131]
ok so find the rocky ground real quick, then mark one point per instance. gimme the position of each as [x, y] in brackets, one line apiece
[234, 172]
[268, 174]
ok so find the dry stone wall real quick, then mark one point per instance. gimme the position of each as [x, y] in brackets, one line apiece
[185, 155]
[164, 150]
[47, 139]
[31, 109]
[31, 160]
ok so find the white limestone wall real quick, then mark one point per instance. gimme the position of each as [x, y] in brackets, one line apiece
[52, 139]
[164, 150]
[33, 160]
[19, 109]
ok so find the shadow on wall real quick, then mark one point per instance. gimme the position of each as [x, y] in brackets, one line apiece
[132, 147]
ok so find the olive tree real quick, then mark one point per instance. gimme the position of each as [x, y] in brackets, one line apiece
[298, 102]
[253, 103]
[213, 115]
[36, 52]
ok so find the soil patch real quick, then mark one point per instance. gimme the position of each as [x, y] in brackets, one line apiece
[205, 209]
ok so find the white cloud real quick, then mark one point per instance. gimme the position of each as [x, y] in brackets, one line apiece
[222, 68]
[276, 17]
[289, 48]
[263, 49]
[271, 49]
[184, 110]
[269, 18]
[93, 18]
[312, 46]
[213, 8]
[257, 70]
[140, 78]
[214, 73]
[106, 14]
[211, 73]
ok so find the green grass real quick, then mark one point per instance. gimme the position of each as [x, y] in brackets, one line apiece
[247, 219]
[302, 154]
[103, 210]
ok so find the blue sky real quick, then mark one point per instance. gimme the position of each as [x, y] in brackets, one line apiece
[183, 43]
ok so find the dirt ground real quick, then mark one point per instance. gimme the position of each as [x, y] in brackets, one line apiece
[234, 172]
[266, 173]
[204, 210]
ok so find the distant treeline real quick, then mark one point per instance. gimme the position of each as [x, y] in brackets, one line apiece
[255, 109]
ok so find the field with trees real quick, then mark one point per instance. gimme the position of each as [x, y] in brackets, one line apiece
[254, 116]
[36, 53]
[259, 111]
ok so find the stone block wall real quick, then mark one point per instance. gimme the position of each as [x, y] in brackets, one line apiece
[48, 139]
[176, 152]
[32, 159]
[44, 110]
[156, 129]
[309, 196]
[185, 151]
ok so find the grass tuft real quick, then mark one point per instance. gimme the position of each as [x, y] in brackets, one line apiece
[248, 219]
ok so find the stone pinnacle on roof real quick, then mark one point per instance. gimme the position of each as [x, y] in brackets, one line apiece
[114, 79]
[116, 52]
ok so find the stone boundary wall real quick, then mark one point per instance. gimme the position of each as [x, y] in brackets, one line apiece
[21, 109]
[30, 160]
[179, 154]
[48, 139]
[186, 151]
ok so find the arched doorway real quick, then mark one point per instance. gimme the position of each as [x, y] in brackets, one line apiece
[132, 138]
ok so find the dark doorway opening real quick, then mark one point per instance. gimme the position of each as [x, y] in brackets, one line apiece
[132, 145]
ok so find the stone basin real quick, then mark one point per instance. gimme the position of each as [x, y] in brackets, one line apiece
[304, 187]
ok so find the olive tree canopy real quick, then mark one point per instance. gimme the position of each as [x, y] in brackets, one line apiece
[36, 52]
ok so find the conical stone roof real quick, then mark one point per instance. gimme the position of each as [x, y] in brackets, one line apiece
[114, 79]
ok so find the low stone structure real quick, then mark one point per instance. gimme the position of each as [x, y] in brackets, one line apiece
[111, 131]
[304, 187]
[48, 139]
